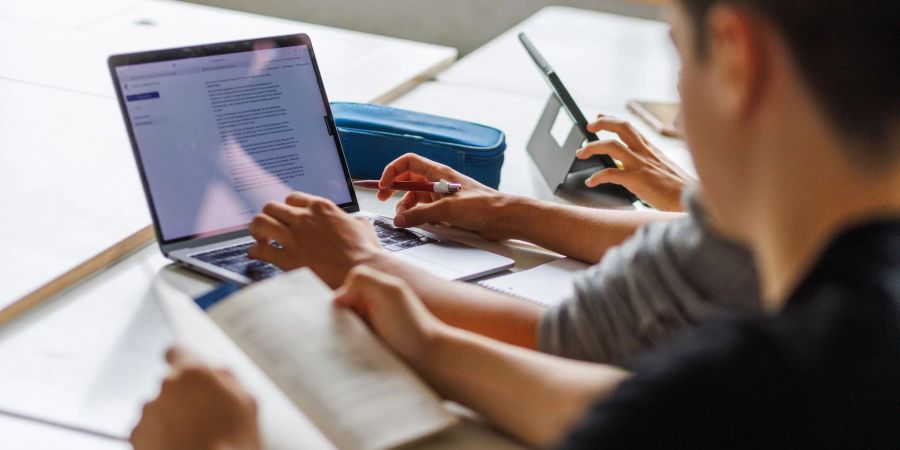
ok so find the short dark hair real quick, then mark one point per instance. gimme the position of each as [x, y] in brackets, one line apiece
[848, 51]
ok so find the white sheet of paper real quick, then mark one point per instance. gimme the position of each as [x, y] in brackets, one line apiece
[549, 284]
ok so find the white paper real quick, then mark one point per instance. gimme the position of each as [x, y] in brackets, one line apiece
[548, 284]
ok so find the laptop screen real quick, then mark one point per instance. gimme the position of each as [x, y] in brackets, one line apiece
[218, 136]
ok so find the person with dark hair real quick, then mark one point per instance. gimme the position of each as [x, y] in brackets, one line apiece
[791, 110]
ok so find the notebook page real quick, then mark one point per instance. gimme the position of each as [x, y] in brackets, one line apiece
[548, 284]
[328, 363]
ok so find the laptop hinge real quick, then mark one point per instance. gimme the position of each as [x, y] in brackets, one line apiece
[200, 242]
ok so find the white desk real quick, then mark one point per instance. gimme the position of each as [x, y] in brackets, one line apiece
[604, 59]
[69, 176]
[106, 332]
[70, 187]
[65, 44]
[69, 149]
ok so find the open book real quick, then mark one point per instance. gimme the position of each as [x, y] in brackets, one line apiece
[323, 359]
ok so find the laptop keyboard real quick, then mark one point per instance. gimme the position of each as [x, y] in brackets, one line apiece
[235, 258]
[395, 239]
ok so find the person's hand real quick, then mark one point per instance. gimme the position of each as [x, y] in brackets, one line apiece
[647, 172]
[476, 207]
[393, 311]
[312, 232]
[198, 408]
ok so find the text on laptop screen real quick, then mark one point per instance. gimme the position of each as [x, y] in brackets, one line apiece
[219, 136]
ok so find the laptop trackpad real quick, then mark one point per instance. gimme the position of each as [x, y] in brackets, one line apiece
[453, 260]
[441, 259]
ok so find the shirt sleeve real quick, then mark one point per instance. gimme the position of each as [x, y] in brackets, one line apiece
[667, 276]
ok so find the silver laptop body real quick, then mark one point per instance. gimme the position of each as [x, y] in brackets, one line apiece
[218, 130]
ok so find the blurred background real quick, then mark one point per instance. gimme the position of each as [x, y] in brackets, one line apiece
[463, 24]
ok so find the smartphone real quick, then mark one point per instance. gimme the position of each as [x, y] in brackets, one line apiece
[664, 118]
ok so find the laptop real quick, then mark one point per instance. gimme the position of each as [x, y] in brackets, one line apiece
[219, 130]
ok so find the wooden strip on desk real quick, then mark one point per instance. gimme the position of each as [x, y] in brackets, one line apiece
[80, 272]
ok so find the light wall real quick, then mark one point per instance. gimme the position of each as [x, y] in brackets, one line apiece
[463, 24]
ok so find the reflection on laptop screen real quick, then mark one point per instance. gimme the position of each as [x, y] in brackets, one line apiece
[219, 136]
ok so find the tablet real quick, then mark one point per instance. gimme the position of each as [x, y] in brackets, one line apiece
[569, 105]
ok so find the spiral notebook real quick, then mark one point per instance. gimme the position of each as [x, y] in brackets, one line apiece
[548, 284]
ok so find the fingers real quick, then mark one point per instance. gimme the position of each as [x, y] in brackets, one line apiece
[188, 368]
[416, 164]
[345, 298]
[271, 224]
[283, 213]
[622, 128]
[300, 199]
[609, 147]
[362, 277]
[411, 199]
[146, 435]
[231, 384]
[366, 279]
[303, 200]
[269, 254]
[178, 356]
[264, 227]
[362, 286]
[421, 214]
[385, 194]
[344, 295]
[362, 280]
[616, 176]
[300, 202]
[296, 206]
[183, 363]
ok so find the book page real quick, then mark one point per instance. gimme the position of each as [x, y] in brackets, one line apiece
[358, 393]
[282, 425]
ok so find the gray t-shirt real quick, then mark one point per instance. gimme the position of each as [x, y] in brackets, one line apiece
[666, 277]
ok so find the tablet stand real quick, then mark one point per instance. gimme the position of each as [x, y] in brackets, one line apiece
[555, 162]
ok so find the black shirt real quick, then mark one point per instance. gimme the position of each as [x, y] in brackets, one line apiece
[822, 373]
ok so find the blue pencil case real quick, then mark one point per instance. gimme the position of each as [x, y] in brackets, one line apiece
[374, 135]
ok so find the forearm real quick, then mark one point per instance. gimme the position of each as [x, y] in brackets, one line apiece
[579, 232]
[469, 306]
[533, 396]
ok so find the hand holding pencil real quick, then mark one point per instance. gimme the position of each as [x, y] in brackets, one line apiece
[439, 187]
